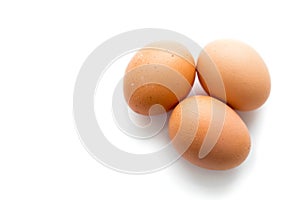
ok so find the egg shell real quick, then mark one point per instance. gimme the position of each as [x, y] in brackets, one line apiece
[161, 73]
[219, 138]
[244, 74]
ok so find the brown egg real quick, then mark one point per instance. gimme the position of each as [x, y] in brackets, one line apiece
[209, 133]
[161, 73]
[244, 74]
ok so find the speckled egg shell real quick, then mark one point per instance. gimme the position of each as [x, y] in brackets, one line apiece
[161, 73]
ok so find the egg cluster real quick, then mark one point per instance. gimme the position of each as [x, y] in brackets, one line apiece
[204, 129]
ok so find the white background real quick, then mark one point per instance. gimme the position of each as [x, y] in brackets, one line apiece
[42, 47]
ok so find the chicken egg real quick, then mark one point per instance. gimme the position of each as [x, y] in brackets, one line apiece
[162, 73]
[214, 135]
[243, 73]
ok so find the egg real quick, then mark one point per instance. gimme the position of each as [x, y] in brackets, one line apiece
[245, 80]
[162, 73]
[209, 133]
